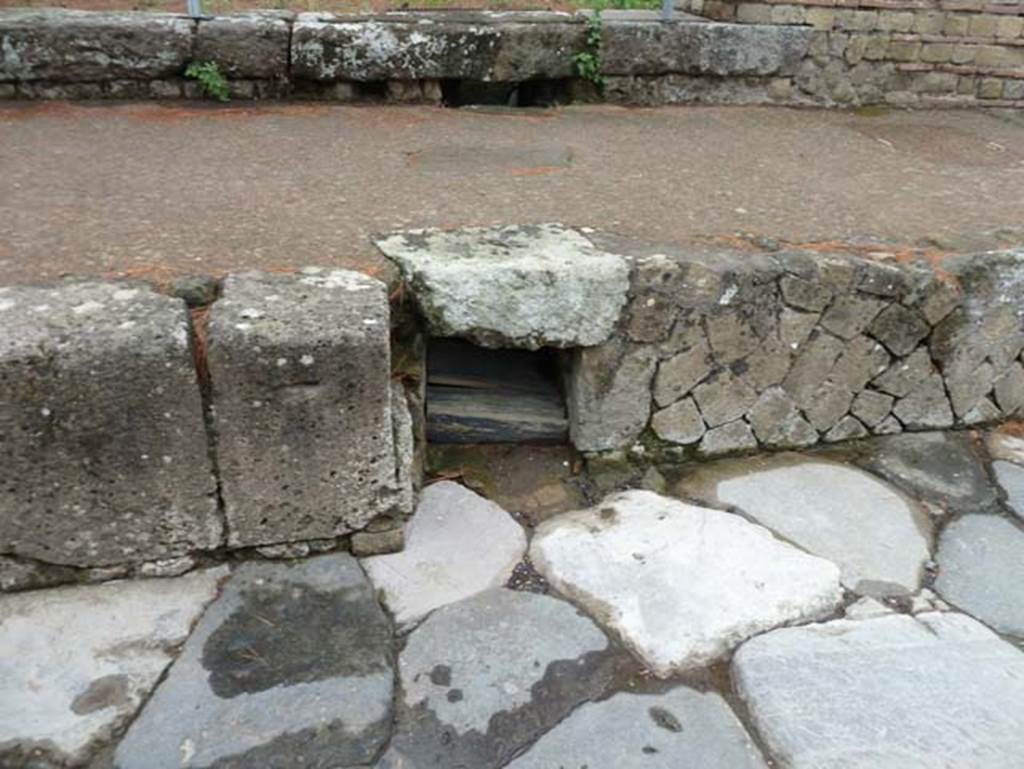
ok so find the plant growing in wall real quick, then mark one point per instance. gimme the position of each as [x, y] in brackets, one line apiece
[588, 61]
[211, 80]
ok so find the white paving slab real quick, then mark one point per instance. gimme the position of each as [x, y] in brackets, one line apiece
[456, 545]
[981, 570]
[680, 584]
[680, 729]
[935, 691]
[76, 662]
[1011, 477]
[876, 535]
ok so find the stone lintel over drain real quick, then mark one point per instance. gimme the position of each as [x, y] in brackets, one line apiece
[528, 286]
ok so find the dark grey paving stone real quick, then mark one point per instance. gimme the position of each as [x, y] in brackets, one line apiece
[680, 729]
[895, 692]
[981, 570]
[290, 667]
[484, 677]
[942, 469]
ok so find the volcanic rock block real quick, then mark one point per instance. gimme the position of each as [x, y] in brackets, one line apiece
[300, 366]
[103, 453]
[249, 45]
[78, 46]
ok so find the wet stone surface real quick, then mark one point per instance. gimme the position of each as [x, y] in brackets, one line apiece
[76, 662]
[887, 693]
[484, 677]
[291, 666]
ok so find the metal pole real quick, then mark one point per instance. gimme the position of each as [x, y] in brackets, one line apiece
[667, 7]
[195, 8]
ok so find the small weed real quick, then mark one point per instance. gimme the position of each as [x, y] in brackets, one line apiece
[211, 80]
[588, 61]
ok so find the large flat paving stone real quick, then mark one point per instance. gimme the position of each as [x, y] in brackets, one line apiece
[680, 729]
[76, 662]
[681, 585]
[942, 469]
[289, 667]
[484, 677]
[1011, 477]
[521, 286]
[104, 457]
[457, 544]
[877, 536]
[302, 405]
[981, 570]
[895, 692]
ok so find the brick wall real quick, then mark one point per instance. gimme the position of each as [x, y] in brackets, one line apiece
[926, 52]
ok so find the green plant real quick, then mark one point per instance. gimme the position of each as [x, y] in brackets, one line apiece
[211, 80]
[588, 61]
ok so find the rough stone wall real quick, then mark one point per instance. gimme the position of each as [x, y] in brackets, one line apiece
[904, 52]
[725, 351]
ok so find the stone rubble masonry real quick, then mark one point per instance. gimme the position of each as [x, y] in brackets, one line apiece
[104, 456]
[302, 410]
[792, 348]
[900, 52]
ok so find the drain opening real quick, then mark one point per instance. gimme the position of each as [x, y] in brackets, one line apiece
[479, 395]
[526, 93]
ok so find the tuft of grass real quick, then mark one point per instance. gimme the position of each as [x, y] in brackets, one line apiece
[211, 80]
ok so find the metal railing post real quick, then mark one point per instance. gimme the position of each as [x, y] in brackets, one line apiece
[667, 7]
[195, 8]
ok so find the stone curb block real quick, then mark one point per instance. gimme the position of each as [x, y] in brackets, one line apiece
[104, 458]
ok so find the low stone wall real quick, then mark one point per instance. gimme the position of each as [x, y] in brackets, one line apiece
[400, 56]
[905, 52]
[133, 432]
[714, 351]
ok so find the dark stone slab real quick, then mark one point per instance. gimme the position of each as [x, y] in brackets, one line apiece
[291, 666]
[250, 45]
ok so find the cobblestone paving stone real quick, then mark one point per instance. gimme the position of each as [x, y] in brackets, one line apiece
[297, 663]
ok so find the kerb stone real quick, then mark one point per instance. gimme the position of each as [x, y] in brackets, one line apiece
[302, 405]
[104, 455]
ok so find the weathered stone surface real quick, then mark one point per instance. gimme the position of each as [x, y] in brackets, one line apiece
[871, 407]
[811, 367]
[245, 45]
[1002, 444]
[522, 286]
[795, 327]
[609, 395]
[76, 662]
[681, 585]
[900, 329]
[302, 405]
[642, 47]
[732, 335]
[1009, 390]
[850, 314]
[805, 294]
[679, 423]
[104, 458]
[827, 405]
[1011, 478]
[954, 689]
[846, 429]
[724, 397]
[777, 421]
[289, 667]
[981, 570]
[878, 539]
[457, 544]
[680, 373]
[484, 677]
[735, 436]
[403, 46]
[682, 729]
[862, 359]
[75, 46]
[939, 468]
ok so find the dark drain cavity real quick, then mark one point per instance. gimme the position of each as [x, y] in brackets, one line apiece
[527, 93]
[478, 395]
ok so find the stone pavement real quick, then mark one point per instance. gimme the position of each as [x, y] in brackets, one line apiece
[162, 191]
[855, 606]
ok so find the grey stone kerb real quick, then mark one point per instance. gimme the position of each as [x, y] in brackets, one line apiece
[524, 286]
